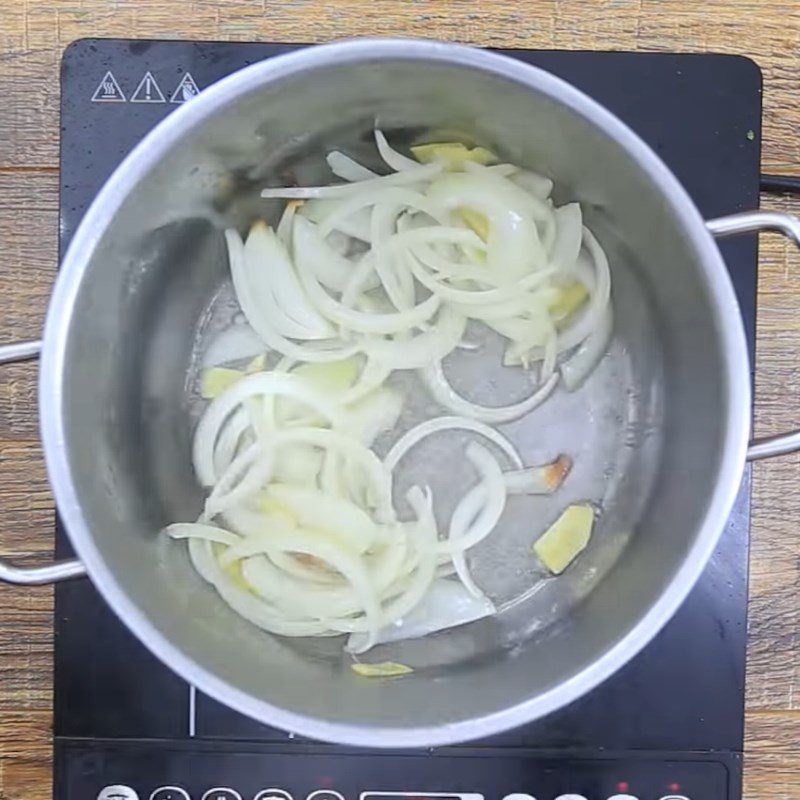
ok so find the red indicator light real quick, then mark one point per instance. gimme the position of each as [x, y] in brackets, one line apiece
[326, 781]
[674, 787]
[623, 786]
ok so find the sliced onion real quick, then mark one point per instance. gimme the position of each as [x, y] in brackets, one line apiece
[598, 301]
[245, 475]
[314, 254]
[208, 533]
[430, 427]
[308, 541]
[380, 194]
[392, 157]
[315, 509]
[536, 185]
[283, 537]
[417, 175]
[376, 413]
[434, 234]
[543, 479]
[580, 364]
[258, 384]
[245, 603]
[457, 270]
[421, 350]
[258, 313]
[284, 229]
[360, 321]
[348, 169]
[444, 393]
[268, 265]
[569, 235]
[513, 244]
[478, 297]
[503, 170]
[299, 465]
[415, 588]
[230, 438]
[355, 225]
[236, 343]
[445, 605]
[492, 503]
[399, 291]
[526, 305]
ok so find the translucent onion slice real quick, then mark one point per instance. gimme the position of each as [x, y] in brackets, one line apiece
[355, 225]
[593, 311]
[259, 384]
[550, 353]
[532, 304]
[315, 509]
[413, 437]
[268, 263]
[295, 540]
[399, 287]
[313, 253]
[444, 393]
[543, 479]
[382, 194]
[416, 587]
[392, 157]
[247, 473]
[245, 603]
[348, 169]
[232, 344]
[229, 439]
[376, 413]
[435, 234]
[479, 297]
[535, 184]
[284, 229]
[457, 270]
[514, 246]
[209, 533]
[380, 479]
[503, 170]
[417, 175]
[575, 369]
[299, 465]
[473, 518]
[568, 236]
[372, 376]
[419, 351]
[296, 592]
[445, 605]
[492, 503]
[360, 321]
[259, 313]
[522, 329]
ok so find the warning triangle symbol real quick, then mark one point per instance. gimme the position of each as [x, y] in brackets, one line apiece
[108, 90]
[185, 90]
[148, 91]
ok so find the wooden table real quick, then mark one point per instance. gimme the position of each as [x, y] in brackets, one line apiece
[33, 34]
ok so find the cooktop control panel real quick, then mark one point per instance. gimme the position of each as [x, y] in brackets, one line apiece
[158, 770]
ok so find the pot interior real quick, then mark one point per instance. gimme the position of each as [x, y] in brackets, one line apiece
[646, 431]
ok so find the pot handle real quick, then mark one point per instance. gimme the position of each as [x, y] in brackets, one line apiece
[789, 226]
[59, 570]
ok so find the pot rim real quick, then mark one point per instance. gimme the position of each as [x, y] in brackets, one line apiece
[146, 155]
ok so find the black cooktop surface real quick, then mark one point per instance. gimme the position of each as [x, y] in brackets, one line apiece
[670, 724]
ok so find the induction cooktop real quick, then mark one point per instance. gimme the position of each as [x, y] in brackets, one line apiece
[668, 725]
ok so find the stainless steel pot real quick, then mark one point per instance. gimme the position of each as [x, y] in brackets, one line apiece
[146, 264]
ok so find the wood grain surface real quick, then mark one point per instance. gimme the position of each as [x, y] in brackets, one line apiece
[33, 34]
